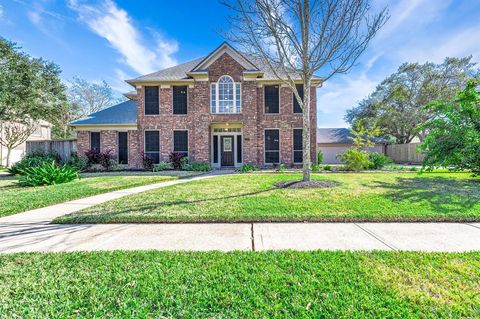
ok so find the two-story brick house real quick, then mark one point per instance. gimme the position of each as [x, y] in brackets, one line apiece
[225, 109]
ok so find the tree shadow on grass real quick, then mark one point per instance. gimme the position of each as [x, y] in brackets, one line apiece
[135, 208]
[444, 195]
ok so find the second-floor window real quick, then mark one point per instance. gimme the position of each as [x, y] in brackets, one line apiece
[180, 100]
[152, 103]
[272, 99]
[225, 96]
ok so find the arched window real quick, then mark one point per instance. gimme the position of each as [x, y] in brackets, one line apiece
[225, 96]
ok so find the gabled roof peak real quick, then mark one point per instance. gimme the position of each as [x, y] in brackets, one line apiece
[225, 47]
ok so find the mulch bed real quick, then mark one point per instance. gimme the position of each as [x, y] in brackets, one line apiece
[310, 184]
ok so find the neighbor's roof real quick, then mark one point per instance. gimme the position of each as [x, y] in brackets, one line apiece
[179, 72]
[123, 113]
[339, 136]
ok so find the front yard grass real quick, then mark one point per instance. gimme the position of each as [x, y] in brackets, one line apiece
[240, 285]
[15, 198]
[253, 197]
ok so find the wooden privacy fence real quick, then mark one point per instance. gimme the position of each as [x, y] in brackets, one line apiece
[64, 148]
[405, 153]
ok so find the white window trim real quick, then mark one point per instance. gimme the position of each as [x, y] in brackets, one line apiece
[217, 94]
[265, 146]
[159, 143]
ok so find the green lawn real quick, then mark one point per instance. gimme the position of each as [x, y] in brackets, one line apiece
[253, 197]
[15, 198]
[240, 285]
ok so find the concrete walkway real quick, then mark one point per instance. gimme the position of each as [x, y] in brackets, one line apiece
[32, 231]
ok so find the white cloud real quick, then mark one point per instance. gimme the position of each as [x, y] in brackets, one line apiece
[341, 94]
[456, 43]
[1, 11]
[114, 24]
[35, 18]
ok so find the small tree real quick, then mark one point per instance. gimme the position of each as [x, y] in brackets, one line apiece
[296, 39]
[454, 131]
[363, 137]
[13, 135]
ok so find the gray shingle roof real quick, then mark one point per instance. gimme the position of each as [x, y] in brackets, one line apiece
[178, 72]
[338, 135]
[123, 113]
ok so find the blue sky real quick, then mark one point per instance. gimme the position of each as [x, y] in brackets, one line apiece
[114, 40]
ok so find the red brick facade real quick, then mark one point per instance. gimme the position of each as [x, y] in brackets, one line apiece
[199, 120]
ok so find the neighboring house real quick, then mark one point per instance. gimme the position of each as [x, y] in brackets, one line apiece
[225, 109]
[335, 141]
[42, 132]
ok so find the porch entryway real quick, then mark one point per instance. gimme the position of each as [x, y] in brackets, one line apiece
[226, 145]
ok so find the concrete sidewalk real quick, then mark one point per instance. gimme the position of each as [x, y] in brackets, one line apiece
[448, 237]
[32, 231]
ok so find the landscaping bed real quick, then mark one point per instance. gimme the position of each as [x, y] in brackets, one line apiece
[15, 198]
[254, 197]
[240, 285]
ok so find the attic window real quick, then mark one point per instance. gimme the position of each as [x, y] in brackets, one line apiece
[225, 96]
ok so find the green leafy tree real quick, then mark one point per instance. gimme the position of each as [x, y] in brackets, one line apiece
[454, 131]
[397, 104]
[30, 91]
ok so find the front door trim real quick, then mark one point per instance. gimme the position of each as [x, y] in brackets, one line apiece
[219, 133]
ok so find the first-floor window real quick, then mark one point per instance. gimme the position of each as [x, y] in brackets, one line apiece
[272, 146]
[180, 142]
[152, 145]
[297, 146]
[95, 140]
[122, 148]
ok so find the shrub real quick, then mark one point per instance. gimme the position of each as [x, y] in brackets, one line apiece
[327, 167]
[93, 156]
[319, 157]
[176, 159]
[197, 166]
[355, 160]
[281, 168]
[48, 174]
[147, 162]
[246, 168]
[162, 166]
[316, 168]
[33, 160]
[378, 160]
[103, 158]
[80, 163]
[106, 160]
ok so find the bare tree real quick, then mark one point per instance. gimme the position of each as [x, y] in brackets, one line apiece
[300, 38]
[12, 134]
[89, 97]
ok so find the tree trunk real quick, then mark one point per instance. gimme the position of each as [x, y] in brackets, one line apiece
[306, 131]
[9, 150]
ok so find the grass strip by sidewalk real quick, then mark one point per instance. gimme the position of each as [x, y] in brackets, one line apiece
[254, 198]
[15, 198]
[240, 285]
